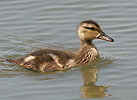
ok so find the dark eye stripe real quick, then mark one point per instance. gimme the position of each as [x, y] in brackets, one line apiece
[91, 28]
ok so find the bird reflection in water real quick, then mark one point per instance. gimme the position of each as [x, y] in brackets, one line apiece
[90, 89]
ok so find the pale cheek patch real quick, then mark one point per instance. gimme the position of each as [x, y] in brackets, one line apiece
[29, 58]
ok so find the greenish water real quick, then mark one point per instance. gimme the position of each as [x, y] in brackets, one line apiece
[28, 25]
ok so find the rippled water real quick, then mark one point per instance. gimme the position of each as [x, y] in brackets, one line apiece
[27, 25]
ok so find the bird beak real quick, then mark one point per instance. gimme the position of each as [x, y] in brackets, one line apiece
[103, 36]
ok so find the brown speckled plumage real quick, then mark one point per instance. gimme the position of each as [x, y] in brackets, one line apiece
[46, 60]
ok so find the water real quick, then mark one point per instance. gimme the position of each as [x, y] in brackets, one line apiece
[27, 25]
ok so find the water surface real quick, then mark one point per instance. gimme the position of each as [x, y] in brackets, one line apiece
[27, 25]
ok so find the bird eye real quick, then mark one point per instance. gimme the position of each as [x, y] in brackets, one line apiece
[91, 28]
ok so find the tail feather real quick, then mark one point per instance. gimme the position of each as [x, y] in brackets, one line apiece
[11, 60]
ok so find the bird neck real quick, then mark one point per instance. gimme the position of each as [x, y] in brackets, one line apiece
[87, 52]
[86, 43]
[88, 46]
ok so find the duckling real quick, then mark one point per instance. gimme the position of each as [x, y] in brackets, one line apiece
[47, 60]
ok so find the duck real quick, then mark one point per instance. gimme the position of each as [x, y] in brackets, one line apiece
[47, 60]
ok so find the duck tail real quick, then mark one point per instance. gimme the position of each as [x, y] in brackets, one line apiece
[11, 60]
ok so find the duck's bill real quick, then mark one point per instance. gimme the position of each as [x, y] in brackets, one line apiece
[103, 36]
